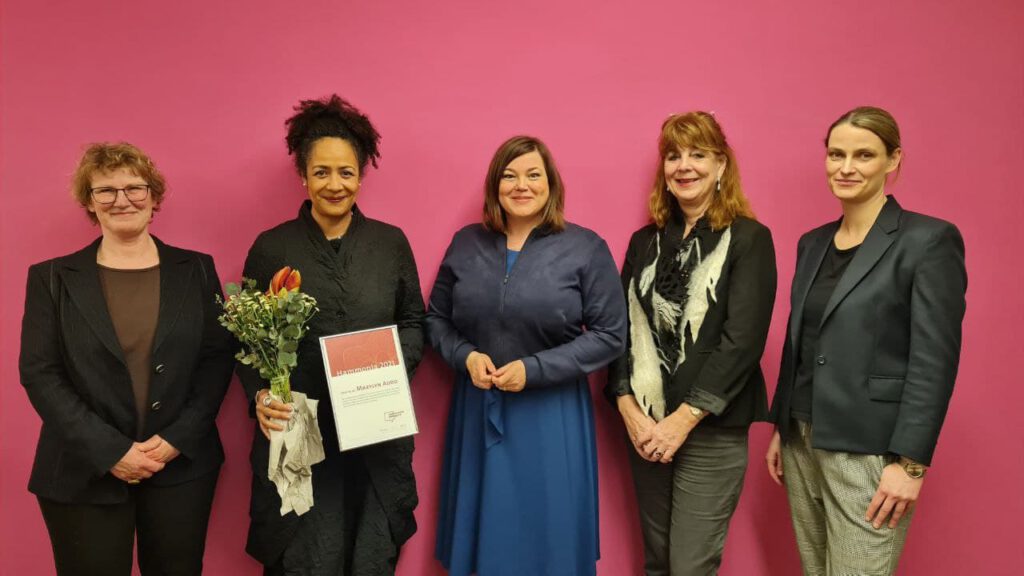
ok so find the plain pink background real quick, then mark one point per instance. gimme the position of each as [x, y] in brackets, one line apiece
[205, 86]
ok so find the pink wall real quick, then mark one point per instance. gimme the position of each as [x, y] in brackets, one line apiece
[204, 87]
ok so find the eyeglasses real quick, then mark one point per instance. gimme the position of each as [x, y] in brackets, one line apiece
[108, 195]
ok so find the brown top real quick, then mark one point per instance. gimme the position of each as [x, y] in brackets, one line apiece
[133, 300]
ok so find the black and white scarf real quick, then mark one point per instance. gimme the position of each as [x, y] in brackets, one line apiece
[668, 299]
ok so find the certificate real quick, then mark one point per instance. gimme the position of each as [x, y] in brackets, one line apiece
[368, 386]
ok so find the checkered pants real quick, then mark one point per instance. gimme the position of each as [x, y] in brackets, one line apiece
[829, 493]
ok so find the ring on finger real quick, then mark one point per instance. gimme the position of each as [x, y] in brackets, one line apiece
[267, 400]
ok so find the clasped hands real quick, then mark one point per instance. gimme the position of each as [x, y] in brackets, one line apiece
[656, 441]
[144, 459]
[509, 378]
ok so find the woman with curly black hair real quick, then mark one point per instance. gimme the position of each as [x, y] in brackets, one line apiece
[363, 275]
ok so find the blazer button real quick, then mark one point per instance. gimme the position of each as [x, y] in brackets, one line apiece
[155, 406]
[159, 369]
[820, 360]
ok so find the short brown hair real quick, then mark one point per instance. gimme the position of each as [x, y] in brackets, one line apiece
[107, 157]
[554, 211]
[701, 131]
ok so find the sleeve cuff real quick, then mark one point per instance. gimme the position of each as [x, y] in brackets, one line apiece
[111, 454]
[533, 373]
[706, 401]
[461, 353]
[176, 437]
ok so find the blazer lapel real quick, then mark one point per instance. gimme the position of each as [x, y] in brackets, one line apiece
[175, 275]
[807, 269]
[81, 279]
[875, 245]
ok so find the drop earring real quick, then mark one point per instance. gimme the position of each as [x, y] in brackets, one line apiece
[718, 185]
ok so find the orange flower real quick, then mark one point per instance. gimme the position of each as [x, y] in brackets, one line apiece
[285, 279]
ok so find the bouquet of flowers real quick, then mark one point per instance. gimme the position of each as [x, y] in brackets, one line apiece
[270, 325]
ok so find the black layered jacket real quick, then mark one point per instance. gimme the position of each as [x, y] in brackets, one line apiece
[370, 282]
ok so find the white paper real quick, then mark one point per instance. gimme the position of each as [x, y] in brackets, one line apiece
[368, 386]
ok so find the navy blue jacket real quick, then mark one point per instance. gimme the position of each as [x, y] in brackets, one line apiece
[561, 283]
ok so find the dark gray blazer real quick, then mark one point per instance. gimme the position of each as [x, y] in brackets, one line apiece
[889, 344]
[74, 372]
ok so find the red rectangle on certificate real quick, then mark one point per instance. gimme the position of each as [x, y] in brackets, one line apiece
[361, 351]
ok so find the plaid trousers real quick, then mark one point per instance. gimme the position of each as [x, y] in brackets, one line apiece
[829, 493]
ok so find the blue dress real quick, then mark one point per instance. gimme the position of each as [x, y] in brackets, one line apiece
[519, 482]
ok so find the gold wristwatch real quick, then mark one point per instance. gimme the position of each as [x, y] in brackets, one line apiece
[913, 469]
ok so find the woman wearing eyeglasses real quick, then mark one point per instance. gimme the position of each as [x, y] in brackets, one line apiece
[124, 360]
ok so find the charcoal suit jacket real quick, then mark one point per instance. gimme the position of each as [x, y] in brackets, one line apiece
[889, 342]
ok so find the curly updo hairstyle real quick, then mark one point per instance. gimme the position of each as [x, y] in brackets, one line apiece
[331, 117]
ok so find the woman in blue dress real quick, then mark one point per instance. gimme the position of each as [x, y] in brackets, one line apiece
[524, 307]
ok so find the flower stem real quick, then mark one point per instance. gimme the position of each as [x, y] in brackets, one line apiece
[280, 388]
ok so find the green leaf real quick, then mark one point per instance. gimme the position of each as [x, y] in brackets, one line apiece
[292, 331]
[287, 359]
[289, 346]
[232, 289]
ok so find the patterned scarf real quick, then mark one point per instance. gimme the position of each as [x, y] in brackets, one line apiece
[667, 305]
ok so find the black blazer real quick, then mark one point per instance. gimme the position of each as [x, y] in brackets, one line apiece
[889, 342]
[74, 372]
[722, 370]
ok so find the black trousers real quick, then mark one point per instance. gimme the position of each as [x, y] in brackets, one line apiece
[97, 539]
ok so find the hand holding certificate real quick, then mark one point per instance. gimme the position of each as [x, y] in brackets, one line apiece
[369, 387]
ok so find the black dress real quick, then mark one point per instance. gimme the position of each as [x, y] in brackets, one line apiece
[364, 498]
